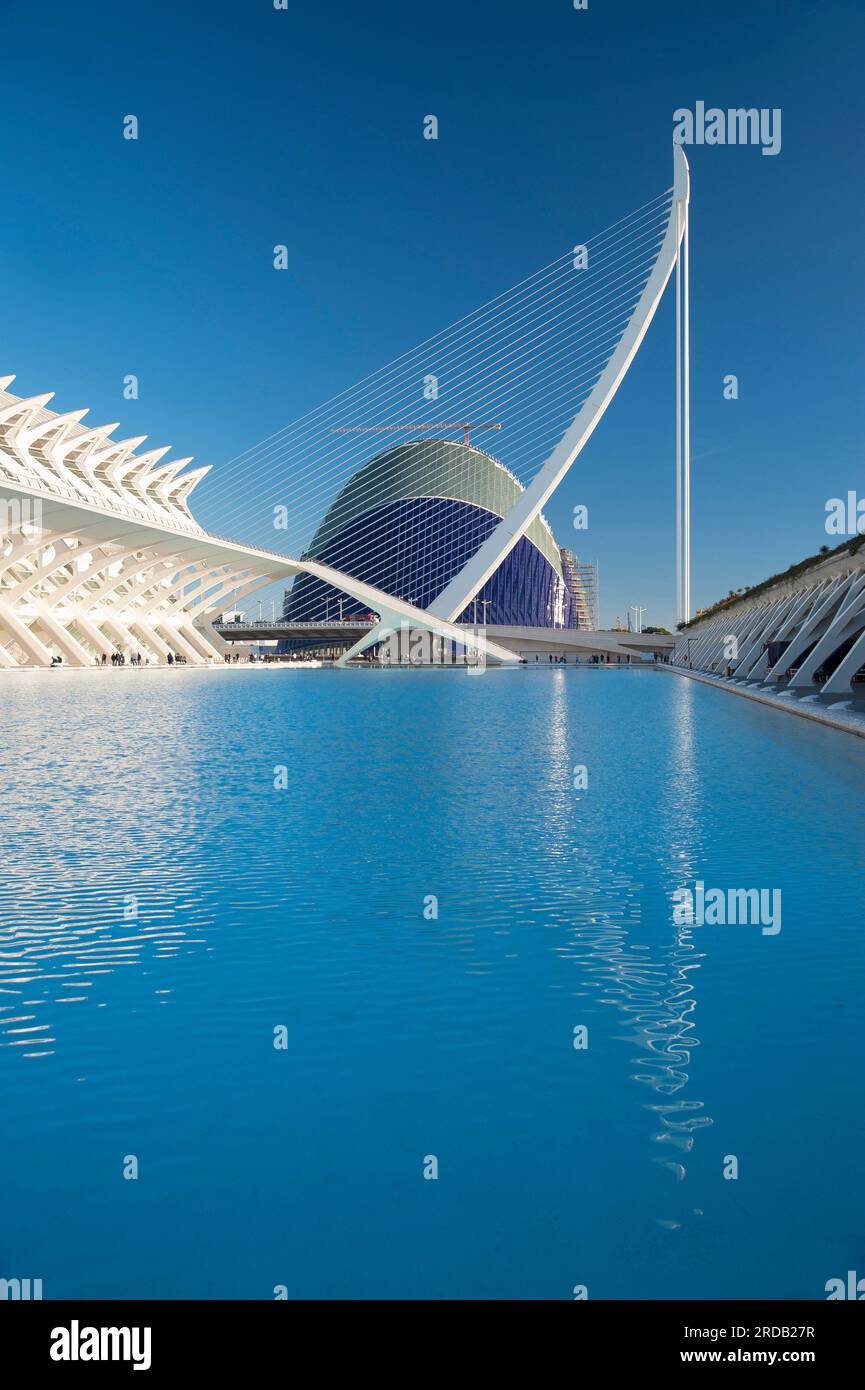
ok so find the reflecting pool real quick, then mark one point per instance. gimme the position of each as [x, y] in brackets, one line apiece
[283, 938]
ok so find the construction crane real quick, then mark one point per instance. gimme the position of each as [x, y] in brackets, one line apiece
[438, 425]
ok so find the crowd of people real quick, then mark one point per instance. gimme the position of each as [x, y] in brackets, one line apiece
[136, 659]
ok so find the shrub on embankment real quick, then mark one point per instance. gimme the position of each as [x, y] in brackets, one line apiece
[851, 546]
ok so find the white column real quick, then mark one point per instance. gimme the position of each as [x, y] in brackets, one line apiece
[686, 423]
[679, 596]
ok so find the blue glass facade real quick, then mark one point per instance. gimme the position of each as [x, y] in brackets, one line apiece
[412, 548]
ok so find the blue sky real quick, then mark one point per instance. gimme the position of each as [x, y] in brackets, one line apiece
[303, 127]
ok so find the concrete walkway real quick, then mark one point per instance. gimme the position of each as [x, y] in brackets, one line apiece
[837, 714]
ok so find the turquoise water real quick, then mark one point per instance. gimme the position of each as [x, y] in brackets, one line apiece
[411, 1035]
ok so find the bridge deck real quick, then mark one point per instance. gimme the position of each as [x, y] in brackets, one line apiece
[527, 639]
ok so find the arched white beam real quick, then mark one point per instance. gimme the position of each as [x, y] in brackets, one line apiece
[166, 558]
[210, 583]
[209, 599]
[49, 568]
[201, 616]
[241, 589]
[513, 526]
[103, 562]
[96, 567]
[395, 612]
[30, 549]
[471, 579]
[162, 587]
[166, 615]
[240, 583]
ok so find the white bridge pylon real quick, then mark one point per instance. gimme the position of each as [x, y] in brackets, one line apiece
[471, 578]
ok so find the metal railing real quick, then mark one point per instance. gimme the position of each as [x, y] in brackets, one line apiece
[278, 622]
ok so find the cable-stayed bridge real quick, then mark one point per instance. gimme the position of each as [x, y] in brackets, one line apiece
[528, 643]
[546, 358]
[101, 550]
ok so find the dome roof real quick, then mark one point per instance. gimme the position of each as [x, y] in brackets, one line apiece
[441, 468]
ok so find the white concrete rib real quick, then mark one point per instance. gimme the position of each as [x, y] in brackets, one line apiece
[816, 616]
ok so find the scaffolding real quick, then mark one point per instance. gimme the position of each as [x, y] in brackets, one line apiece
[582, 579]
